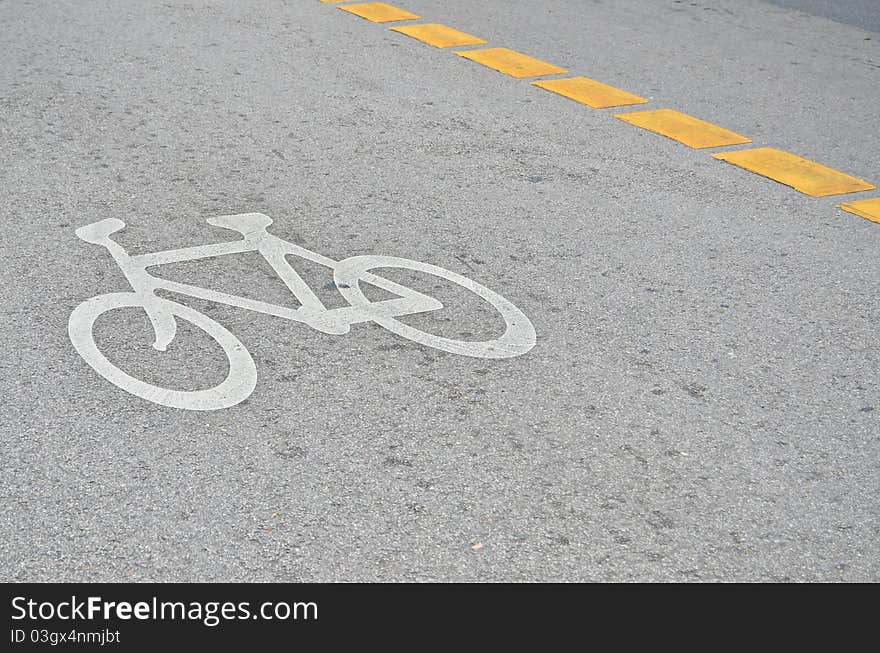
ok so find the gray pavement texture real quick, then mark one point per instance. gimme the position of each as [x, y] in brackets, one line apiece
[702, 402]
[861, 13]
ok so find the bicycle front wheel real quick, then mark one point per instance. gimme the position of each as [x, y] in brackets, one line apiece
[238, 385]
[518, 337]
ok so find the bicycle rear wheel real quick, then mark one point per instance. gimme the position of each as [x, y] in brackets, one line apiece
[518, 338]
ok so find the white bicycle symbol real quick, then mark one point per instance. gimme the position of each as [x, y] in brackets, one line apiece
[518, 338]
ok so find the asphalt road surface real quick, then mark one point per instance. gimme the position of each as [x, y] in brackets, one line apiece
[701, 401]
[861, 13]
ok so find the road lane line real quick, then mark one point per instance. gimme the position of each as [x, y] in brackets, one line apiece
[378, 12]
[801, 174]
[683, 128]
[511, 62]
[805, 176]
[590, 92]
[868, 209]
[440, 36]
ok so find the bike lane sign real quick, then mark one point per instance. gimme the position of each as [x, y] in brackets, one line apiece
[518, 337]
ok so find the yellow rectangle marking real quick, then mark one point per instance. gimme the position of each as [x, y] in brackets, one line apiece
[439, 36]
[590, 92]
[378, 12]
[805, 176]
[511, 62]
[867, 209]
[683, 128]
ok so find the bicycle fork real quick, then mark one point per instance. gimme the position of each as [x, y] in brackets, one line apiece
[162, 320]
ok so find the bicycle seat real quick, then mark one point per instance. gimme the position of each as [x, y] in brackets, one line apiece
[243, 223]
[97, 232]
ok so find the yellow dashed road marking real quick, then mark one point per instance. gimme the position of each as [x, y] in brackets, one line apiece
[590, 92]
[805, 176]
[378, 12]
[511, 62]
[683, 128]
[439, 36]
[868, 209]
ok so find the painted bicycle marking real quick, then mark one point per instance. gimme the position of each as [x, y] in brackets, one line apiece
[518, 337]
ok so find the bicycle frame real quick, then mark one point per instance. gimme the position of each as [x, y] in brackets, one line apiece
[311, 311]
